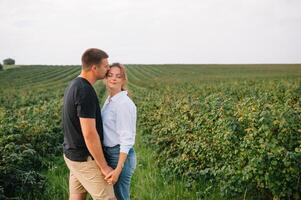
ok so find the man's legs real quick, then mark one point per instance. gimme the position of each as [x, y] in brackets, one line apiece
[86, 176]
[82, 196]
[77, 191]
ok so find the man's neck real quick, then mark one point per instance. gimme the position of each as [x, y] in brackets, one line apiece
[88, 76]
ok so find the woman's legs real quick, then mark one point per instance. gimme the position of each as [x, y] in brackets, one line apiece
[122, 187]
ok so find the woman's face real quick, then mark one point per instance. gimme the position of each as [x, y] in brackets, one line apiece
[115, 78]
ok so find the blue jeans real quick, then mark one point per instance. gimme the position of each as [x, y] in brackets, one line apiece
[122, 187]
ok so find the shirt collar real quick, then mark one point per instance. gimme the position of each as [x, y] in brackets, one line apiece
[118, 96]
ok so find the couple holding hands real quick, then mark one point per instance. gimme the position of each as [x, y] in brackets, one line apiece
[98, 143]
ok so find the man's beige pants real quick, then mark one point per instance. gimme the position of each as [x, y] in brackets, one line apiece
[87, 177]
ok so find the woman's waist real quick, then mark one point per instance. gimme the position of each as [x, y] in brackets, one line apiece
[117, 143]
[115, 149]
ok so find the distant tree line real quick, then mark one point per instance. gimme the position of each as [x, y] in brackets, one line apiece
[8, 61]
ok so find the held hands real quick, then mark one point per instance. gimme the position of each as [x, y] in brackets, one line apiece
[106, 170]
[113, 176]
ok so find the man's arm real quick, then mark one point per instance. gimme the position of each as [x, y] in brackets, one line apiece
[92, 140]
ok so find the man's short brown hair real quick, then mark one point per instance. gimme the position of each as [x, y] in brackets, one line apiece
[91, 57]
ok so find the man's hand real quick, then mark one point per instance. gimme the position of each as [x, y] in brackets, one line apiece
[106, 170]
[113, 176]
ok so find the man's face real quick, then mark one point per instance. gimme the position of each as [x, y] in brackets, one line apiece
[102, 69]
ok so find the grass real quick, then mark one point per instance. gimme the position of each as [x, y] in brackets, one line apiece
[148, 183]
[57, 177]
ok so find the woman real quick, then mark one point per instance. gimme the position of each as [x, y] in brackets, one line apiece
[119, 117]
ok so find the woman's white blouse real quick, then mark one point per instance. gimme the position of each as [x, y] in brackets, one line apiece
[119, 115]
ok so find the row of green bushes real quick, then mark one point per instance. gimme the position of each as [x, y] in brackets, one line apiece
[30, 129]
[30, 137]
[244, 137]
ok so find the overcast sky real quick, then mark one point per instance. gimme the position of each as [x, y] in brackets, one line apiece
[151, 31]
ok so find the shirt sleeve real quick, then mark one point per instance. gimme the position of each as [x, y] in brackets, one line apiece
[126, 126]
[86, 105]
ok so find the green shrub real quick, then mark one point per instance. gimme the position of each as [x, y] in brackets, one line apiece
[246, 138]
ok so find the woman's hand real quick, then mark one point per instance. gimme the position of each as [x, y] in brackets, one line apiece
[113, 176]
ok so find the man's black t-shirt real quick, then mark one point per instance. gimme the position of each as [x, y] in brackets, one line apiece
[80, 101]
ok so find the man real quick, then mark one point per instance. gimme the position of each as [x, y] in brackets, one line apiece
[83, 134]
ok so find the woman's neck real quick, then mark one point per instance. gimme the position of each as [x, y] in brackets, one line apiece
[113, 92]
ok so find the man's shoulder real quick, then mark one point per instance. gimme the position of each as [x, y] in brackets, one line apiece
[81, 85]
[79, 82]
[77, 90]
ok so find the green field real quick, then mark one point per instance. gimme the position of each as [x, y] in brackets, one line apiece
[204, 131]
